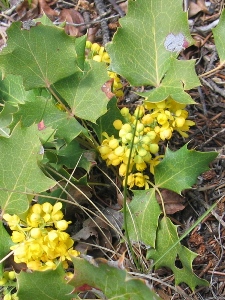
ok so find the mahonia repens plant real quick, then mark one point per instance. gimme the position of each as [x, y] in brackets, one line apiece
[56, 118]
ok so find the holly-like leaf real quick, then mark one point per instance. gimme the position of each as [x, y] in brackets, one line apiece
[5, 242]
[12, 90]
[72, 155]
[179, 259]
[83, 91]
[103, 124]
[44, 285]
[40, 108]
[150, 37]
[179, 170]
[181, 76]
[41, 55]
[142, 217]
[6, 117]
[219, 37]
[113, 282]
[20, 172]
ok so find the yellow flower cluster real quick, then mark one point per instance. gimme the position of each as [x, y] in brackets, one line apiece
[146, 129]
[99, 54]
[41, 241]
[8, 281]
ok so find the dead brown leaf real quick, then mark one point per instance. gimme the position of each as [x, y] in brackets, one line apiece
[107, 89]
[173, 202]
[195, 8]
[72, 16]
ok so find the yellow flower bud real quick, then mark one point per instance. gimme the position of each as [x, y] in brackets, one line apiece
[114, 143]
[105, 57]
[3, 281]
[138, 159]
[119, 151]
[147, 119]
[35, 233]
[61, 225]
[95, 47]
[124, 111]
[142, 152]
[12, 275]
[35, 217]
[7, 296]
[126, 127]
[154, 148]
[47, 207]
[37, 208]
[139, 111]
[140, 127]
[88, 45]
[97, 58]
[122, 170]
[117, 124]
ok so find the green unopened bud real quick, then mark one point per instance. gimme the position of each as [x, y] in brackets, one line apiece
[124, 111]
[154, 148]
[138, 159]
[142, 152]
[88, 44]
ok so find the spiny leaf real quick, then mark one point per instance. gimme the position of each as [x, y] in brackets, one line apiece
[5, 242]
[113, 282]
[219, 37]
[103, 123]
[164, 257]
[12, 90]
[139, 52]
[83, 91]
[180, 169]
[41, 55]
[46, 285]
[181, 76]
[41, 108]
[142, 217]
[20, 172]
[6, 117]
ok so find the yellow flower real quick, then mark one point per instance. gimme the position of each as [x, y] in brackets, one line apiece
[13, 221]
[17, 236]
[141, 180]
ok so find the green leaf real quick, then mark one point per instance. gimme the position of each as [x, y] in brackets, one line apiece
[12, 90]
[105, 122]
[72, 155]
[142, 217]
[113, 282]
[5, 242]
[83, 91]
[180, 76]
[179, 170]
[164, 257]
[137, 51]
[20, 172]
[6, 117]
[219, 37]
[40, 108]
[29, 53]
[47, 285]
